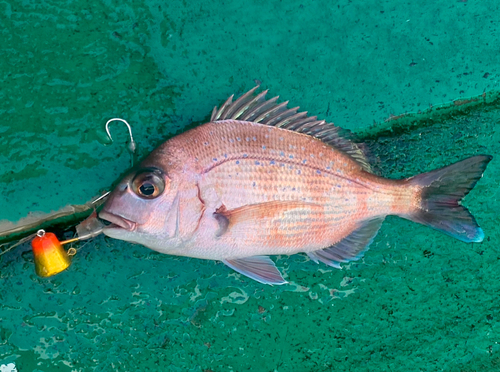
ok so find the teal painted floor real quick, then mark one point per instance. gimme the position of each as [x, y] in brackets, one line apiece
[417, 301]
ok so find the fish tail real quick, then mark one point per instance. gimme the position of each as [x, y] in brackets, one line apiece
[441, 192]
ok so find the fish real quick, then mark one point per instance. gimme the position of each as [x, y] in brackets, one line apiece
[262, 179]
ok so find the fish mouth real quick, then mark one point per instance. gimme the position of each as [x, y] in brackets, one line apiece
[117, 222]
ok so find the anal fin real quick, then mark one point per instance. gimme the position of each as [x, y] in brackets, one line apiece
[259, 268]
[351, 248]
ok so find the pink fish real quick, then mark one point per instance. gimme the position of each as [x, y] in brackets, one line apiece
[260, 179]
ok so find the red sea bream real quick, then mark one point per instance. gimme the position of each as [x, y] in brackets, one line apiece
[260, 179]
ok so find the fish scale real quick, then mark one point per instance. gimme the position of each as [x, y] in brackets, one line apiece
[317, 173]
[260, 179]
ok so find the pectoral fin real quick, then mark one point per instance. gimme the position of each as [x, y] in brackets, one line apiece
[259, 268]
[257, 212]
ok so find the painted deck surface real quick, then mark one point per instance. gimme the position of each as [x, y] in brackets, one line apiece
[417, 301]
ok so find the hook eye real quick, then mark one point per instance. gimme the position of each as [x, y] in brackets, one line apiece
[131, 145]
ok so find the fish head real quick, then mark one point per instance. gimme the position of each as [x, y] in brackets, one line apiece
[143, 208]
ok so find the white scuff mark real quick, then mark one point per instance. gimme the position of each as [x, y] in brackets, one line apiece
[43, 349]
[297, 287]
[11, 367]
[196, 294]
[65, 362]
[336, 294]
[346, 281]
[324, 271]
[348, 292]
[236, 298]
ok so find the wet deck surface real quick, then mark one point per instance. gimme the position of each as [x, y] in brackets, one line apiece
[418, 300]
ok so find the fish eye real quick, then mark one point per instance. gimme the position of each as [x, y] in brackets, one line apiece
[148, 184]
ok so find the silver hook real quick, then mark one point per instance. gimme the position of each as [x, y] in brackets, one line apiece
[131, 145]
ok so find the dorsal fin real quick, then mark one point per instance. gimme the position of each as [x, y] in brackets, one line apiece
[257, 109]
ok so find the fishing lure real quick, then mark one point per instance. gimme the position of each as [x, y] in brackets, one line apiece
[49, 255]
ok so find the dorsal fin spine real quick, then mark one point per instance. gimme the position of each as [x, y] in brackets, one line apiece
[239, 102]
[258, 109]
[220, 112]
[270, 111]
[281, 117]
[257, 98]
[289, 122]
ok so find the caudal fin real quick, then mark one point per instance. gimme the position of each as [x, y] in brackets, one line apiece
[443, 189]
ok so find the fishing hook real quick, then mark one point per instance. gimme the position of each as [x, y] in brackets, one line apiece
[131, 145]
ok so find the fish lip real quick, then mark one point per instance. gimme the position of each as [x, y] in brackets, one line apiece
[117, 221]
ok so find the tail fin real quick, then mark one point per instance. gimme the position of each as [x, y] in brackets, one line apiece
[443, 189]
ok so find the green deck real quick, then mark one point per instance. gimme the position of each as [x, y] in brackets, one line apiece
[417, 301]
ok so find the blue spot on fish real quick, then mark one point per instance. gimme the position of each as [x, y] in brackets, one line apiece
[237, 162]
[257, 162]
[304, 161]
[238, 139]
[214, 159]
[253, 184]
[318, 171]
[282, 153]
[245, 155]
[272, 162]
[291, 156]
[263, 147]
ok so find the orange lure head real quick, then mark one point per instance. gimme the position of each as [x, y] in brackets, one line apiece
[50, 256]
